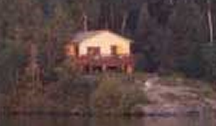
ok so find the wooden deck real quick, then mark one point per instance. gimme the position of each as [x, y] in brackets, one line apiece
[124, 63]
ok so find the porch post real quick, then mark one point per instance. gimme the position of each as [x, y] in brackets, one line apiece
[123, 69]
[129, 69]
[104, 68]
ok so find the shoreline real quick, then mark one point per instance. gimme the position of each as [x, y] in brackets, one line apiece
[139, 95]
[148, 112]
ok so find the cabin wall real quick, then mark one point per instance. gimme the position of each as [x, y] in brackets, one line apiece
[105, 41]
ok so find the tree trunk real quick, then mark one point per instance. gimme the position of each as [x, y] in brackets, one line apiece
[85, 22]
[210, 24]
[124, 22]
[33, 69]
[171, 2]
[112, 17]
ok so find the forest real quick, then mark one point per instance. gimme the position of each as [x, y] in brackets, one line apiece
[170, 36]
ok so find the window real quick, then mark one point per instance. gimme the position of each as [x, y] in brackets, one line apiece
[93, 51]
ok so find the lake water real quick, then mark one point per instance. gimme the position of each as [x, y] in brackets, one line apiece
[55, 120]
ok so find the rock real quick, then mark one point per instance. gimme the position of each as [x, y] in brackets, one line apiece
[79, 110]
[211, 102]
[151, 82]
[164, 110]
[137, 110]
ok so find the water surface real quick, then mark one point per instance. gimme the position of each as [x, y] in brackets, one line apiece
[59, 120]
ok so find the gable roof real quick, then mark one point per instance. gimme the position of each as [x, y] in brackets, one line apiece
[81, 36]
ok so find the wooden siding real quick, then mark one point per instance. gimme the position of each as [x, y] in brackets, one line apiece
[105, 41]
[104, 50]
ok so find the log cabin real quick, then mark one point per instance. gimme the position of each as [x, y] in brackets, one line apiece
[101, 50]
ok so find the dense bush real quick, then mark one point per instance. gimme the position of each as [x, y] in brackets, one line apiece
[209, 59]
[115, 96]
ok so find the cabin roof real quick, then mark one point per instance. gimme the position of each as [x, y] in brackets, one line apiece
[81, 36]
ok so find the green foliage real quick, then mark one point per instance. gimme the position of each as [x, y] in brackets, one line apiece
[106, 98]
[208, 91]
[209, 59]
[131, 99]
[114, 96]
[167, 38]
[66, 71]
[12, 58]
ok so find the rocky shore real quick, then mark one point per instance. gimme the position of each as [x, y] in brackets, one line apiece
[174, 96]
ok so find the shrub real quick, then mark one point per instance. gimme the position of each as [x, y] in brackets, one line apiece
[115, 97]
